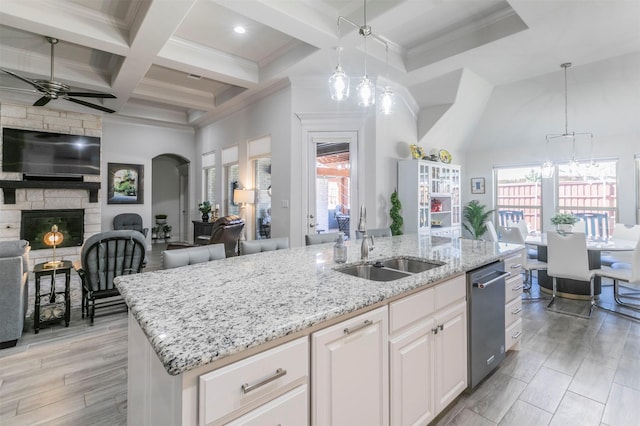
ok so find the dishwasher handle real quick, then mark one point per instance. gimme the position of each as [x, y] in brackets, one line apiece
[482, 285]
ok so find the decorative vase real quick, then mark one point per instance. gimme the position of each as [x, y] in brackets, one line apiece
[564, 227]
[205, 217]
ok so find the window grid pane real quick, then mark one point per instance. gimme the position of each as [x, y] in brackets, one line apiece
[262, 179]
[519, 190]
[210, 185]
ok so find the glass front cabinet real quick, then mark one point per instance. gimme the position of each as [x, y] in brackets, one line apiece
[430, 197]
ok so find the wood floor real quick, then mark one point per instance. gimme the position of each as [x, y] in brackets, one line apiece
[570, 371]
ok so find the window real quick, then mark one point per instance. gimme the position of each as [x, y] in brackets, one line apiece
[519, 195]
[589, 189]
[262, 180]
[209, 189]
[232, 174]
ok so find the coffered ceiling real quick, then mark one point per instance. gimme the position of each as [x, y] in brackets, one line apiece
[182, 62]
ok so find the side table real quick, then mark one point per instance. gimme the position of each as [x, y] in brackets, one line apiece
[40, 270]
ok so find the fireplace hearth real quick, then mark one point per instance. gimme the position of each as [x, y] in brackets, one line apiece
[36, 223]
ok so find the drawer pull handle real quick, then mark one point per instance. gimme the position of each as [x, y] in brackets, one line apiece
[516, 266]
[517, 288]
[516, 312]
[246, 388]
[358, 327]
[517, 335]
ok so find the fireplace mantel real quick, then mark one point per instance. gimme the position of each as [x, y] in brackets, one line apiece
[9, 187]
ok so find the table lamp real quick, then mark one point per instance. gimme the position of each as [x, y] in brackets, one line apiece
[53, 238]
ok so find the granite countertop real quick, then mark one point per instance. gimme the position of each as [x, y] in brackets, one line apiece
[197, 314]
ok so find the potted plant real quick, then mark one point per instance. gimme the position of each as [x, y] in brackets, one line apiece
[396, 217]
[161, 219]
[475, 218]
[167, 231]
[564, 221]
[205, 208]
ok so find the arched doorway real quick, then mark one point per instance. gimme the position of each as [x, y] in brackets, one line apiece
[170, 193]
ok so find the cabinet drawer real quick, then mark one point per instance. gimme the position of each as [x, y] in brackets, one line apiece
[513, 334]
[450, 291]
[289, 409]
[411, 309]
[512, 311]
[513, 288]
[253, 380]
[514, 263]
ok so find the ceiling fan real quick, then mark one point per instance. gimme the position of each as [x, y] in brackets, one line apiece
[52, 89]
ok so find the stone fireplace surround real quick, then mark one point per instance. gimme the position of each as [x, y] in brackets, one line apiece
[38, 118]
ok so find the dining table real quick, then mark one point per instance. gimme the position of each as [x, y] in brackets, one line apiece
[575, 289]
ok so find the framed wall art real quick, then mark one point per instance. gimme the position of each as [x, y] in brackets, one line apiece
[477, 185]
[125, 183]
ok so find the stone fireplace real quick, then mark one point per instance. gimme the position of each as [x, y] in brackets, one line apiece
[50, 201]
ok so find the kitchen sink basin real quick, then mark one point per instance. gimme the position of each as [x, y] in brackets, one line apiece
[413, 266]
[374, 273]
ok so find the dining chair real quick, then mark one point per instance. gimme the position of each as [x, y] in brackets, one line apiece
[532, 251]
[192, 255]
[596, 224]
[507, 216]
[375, 232]
[513, 235]
[567, 258]
[630, 276]
[258, 246]
[491, 233]
[623, 258]
[313, 239]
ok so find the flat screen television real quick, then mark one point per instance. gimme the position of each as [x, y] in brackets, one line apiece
[49, 154]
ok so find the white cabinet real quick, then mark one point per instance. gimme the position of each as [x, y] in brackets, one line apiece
[430, 197]
[513, 301]
[428, 352]
[350, 370]
[252, 384]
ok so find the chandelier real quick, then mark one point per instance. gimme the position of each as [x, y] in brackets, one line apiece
[548, 167]
[366, 90]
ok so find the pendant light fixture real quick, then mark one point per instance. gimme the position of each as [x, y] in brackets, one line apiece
[387, 98]
[366, 90]
[547, 167]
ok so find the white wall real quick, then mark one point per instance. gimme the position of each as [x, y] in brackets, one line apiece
[270, 116]
[604, 98]
[136, 142]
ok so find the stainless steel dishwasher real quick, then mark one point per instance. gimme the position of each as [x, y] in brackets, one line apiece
[485, 295]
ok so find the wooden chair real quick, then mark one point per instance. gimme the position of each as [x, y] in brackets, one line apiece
[103, 257]
[567, 258]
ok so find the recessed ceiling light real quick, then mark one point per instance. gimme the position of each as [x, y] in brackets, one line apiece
[239, 29]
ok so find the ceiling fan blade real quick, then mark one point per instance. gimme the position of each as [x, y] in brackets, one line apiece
[90, 105]
[42, 101]
[92, 95]
[18, 89]
[26, 80]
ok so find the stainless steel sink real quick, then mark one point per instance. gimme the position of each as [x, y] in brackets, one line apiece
[373, 273]
[389, 269]
[413, 266]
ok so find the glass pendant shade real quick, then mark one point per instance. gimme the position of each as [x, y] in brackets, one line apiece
[339, 84]
[547, 170]
[366, 92]
[387, 101]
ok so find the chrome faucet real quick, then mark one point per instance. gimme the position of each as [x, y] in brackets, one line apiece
[367, 245]
[367, 240]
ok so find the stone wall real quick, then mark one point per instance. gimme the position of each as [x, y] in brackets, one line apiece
[38, 118]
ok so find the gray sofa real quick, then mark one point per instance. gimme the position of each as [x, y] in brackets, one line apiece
[14, 290]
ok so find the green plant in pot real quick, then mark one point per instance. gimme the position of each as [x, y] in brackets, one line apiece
[475, 218]
[167, 231]
[205, 208]
[396, 217]
[564, 221]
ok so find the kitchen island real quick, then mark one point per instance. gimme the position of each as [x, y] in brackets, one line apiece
[188, 321]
